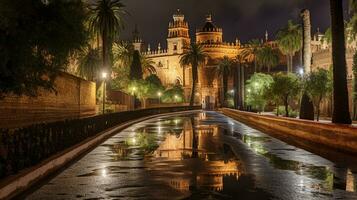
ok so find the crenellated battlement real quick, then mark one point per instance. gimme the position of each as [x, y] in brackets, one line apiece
[159, 52]
[178, 24]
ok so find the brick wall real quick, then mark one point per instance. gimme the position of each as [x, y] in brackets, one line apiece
[75, 98]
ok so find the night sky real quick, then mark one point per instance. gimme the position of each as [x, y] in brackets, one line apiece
[245, 19]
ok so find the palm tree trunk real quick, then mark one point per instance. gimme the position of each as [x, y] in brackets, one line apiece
[225, 88]
[242, 87]
[341, 113]
[354, 96]
[105, 50]
[287, 63]
[194, 81]
[305, 14]
[236, 78]
[306, 105]
[291, 63]
[255, 65]
[183, 77]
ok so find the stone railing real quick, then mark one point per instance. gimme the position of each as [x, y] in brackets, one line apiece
[31, 153]
[333, 136]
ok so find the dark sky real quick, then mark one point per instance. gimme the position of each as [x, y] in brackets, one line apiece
[245, 19]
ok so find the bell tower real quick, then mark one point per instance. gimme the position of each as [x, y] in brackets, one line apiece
[178, 37]
[137, 41]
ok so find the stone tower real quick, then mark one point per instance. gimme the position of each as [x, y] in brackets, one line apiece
[137, 41]
[178, 36]
[209, 33]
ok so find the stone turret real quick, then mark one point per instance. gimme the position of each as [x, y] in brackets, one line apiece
[178, 34]
[209, 33]
[137, 41]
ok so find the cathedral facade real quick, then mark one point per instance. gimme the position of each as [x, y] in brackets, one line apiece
[167, 60]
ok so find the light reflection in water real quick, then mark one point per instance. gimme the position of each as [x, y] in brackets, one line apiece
[204, 160]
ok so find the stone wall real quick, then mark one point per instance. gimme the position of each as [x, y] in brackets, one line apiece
[323, 59]
[74, 97]
[342, 138]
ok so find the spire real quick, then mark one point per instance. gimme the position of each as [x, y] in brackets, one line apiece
[136, 34]
[178, 16]
[209, 17]
[266, 36]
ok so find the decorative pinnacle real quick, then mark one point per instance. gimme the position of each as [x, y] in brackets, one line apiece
[209, 17]
[266, 35]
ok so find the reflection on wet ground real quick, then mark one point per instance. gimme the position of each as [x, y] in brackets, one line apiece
[203, 155]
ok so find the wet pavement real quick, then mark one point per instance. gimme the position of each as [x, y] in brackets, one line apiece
[203, 155]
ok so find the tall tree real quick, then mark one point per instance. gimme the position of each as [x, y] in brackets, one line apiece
[122, 54]
[194, 56]
[36, 40]
[318, 86]
[223, 71]
[251, 52]
[284, 89]
[289, 42]
[354, 69]
[136, 70]
[106, 20]
[341, 113]
[353, 22]
[89, 63]
[267, 57]
[306, 105]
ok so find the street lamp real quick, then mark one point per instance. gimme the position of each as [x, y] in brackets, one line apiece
[301, 71]
[159, 94]
[232, 91]
[104, 76]
[176, 97]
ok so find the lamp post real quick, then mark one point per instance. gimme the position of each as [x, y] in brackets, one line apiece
[104, 76]
[159, 94]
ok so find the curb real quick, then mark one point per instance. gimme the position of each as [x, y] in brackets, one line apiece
[14, 185]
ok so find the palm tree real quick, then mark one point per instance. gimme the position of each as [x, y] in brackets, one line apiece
[305, 15]
[251, 52]
[353, 24]
[341, 112]
[122, 53]
[267, 57]
[106, 20]
[289, 42]
[223, 71]
[89, 63]
[147, 64]
[194, 56]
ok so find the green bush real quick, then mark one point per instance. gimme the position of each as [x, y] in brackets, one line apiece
[292, 113]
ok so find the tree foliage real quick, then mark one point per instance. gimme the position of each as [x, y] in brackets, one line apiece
[318, 85]
[136, 70]
[36, 40]
[106, 21]
[89, 63]
[224, 70]
[289, 41]
[257, 91]
[194, 56]
[170, 93]
[251, 52]
[284, 89]
[267, 57]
